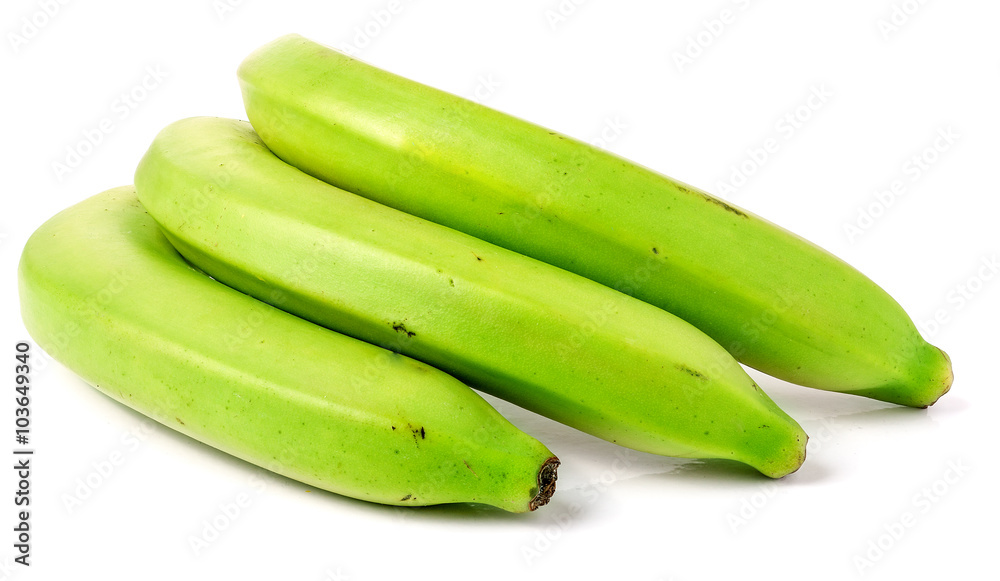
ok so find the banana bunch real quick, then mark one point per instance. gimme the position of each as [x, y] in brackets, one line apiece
[318, 292]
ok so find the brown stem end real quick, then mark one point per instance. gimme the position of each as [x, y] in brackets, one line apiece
[546, 483]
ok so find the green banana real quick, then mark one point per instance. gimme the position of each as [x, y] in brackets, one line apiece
[103, 292]
[525, 331]
[777, 302]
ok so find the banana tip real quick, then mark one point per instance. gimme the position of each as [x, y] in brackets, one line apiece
[949, 375]
[945, 377]
[546, 483]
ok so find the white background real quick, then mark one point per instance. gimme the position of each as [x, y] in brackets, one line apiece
[669, 85]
